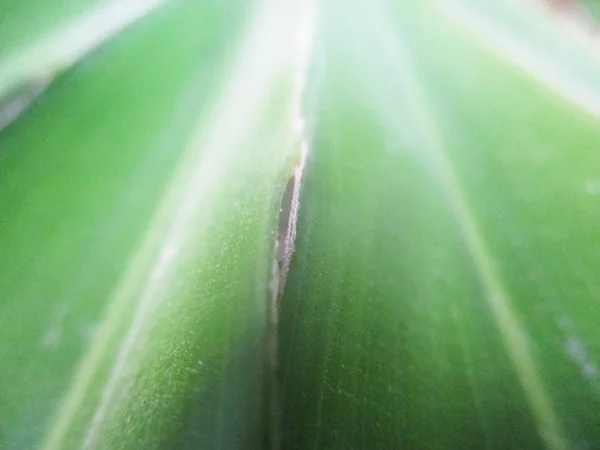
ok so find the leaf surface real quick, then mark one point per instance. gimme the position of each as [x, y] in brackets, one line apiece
[138, 207]
[442, 293]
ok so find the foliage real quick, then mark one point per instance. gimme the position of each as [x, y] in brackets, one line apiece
[442, 292]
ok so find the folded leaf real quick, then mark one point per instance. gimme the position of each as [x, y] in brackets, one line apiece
[138, 207]
[443, 289]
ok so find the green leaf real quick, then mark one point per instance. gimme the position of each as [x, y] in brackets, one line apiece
[443, 289]
[138, 206]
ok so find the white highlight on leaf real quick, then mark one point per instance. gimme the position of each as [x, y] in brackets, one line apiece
[15, 106]
[577, 352]
[575, 348]
[61, 48]
[542, 64]
[167, 255]
[53, 335]
[593, 186]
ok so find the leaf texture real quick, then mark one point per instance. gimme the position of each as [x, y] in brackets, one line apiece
[138, 207]
[442, 294]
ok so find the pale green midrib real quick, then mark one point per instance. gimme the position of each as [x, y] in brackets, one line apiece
[39, 62]
[498, 299]
[169, 228]
[511, 331]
